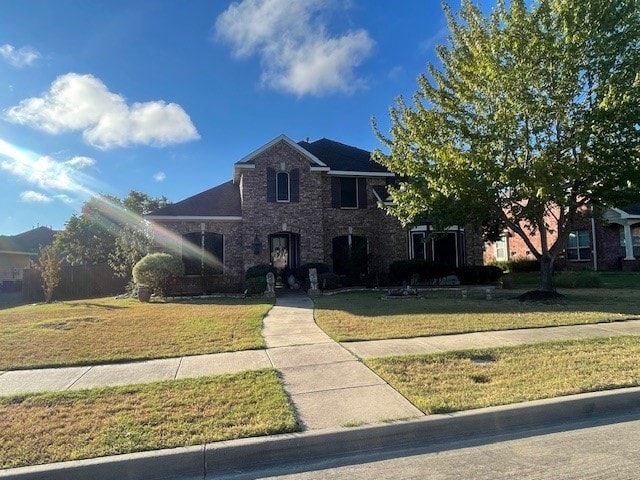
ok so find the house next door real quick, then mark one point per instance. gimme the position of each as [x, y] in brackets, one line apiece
[283, 250]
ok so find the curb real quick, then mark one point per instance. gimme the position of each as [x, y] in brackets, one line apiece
[237, 455]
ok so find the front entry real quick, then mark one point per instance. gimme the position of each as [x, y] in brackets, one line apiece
[283, 250]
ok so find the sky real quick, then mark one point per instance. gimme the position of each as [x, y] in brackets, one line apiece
[164, 96]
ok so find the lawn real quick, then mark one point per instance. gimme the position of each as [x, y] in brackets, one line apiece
[354, 316]
[54, 427]
[464, 380]
[108, 330]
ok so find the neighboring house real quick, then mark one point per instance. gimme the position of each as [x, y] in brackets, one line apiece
[17, 252]
[609, 242]
[293, 203]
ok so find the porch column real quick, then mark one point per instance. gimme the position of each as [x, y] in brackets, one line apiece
[628, 242]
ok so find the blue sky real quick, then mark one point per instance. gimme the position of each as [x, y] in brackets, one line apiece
[106, 96]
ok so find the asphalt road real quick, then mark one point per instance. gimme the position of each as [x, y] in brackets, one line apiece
[596, 449]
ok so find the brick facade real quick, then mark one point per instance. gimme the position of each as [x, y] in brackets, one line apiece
[310, 221]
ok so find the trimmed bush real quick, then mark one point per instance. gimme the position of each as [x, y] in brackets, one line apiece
[468, 275]
[478, 274]
[417, 269]
[260, 271]
[256, 285]
[328, 281]
[521, 265]
[157, 271]
[302, 272]
[578, 280]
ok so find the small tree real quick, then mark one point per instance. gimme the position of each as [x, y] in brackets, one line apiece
[157, 270]
[49, 267]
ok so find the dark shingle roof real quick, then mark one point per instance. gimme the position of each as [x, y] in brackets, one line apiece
[220, 201]
[338, 156]
[633, 209]
[29, 241]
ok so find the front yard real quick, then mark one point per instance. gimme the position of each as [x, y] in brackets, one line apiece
[352, 316]
[107, 330]
[464, 380]
[55, 427]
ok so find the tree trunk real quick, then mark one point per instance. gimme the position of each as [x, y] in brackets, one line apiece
[546, 274]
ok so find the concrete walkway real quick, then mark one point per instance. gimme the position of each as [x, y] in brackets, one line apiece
[328, 386]
[327, 383]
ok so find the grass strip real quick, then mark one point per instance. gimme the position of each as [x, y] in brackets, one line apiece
[355, 316]
[464, 380]
[54, 427]
[105, 330]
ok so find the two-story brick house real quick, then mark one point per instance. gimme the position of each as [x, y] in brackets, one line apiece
[292, 203]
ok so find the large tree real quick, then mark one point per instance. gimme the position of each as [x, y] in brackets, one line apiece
[531, 119]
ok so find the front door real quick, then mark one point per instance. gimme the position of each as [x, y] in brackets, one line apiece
[280, 251]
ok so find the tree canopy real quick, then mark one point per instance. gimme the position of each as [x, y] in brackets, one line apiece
[109, 230]
[531, 119]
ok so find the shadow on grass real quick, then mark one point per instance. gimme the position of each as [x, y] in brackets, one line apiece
[370, 303]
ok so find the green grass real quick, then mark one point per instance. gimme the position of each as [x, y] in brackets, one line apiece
[108, 330]
[471, 379]
[354, 316]
[54, 427]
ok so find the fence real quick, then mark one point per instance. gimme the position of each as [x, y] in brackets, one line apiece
[84, 281]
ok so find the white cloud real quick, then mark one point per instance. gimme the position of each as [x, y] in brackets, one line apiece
[159, 177]
[18, 57]
[31, 196]
[83, 102]
[297, 53]
[44, 171]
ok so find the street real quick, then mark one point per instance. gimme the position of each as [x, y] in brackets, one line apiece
[598, 449]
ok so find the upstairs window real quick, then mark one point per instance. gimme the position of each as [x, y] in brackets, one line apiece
[282, 187]
[579, 245]
[348, 192]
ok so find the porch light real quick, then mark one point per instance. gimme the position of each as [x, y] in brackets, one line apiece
[256, 245]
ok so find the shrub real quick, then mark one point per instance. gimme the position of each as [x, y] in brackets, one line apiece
[478, 274]
[468, 275]
[493, 273]
[328, 281]
[521, 265]
[256, 285]
[578, 280]
[417, 269]
[260, 271]
[302, 272]
[157, 270]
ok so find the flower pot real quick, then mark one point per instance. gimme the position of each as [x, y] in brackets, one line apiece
[144, 294]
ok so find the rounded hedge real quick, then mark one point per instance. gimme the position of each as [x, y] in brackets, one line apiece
[157, 270]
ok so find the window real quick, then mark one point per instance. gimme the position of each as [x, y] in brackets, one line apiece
[350, 255]
[282, 187]
[203, 253]
[501, 249]
[579, 245]
[348, 192]
[418, 244]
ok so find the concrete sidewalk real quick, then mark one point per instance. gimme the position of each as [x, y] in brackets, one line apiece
[328, 386]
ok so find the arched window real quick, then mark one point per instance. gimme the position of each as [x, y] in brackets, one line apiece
[282, 187]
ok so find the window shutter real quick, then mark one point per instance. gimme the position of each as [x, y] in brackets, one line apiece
[362, 193]
[294, 185]
[335, 192]
[271, 185]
